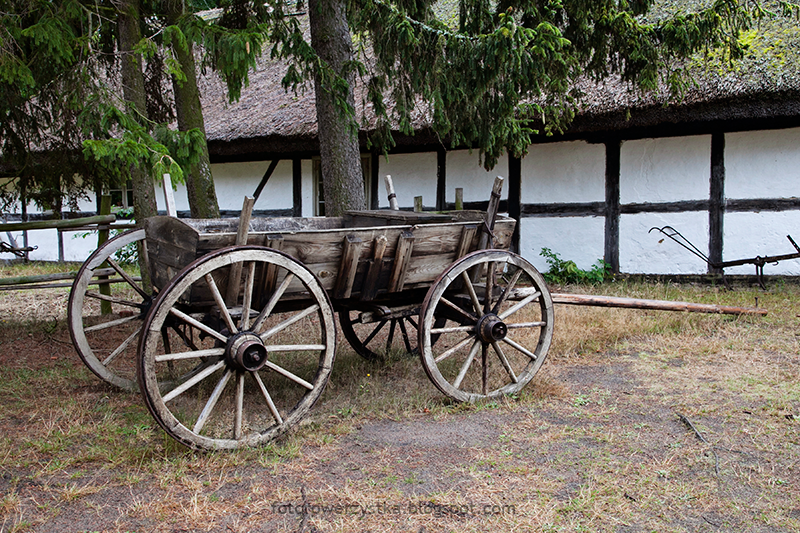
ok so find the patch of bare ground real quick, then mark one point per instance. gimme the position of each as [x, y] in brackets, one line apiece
[638, 421]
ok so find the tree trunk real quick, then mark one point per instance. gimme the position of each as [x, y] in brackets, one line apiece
[144, 201]
[199, 182]
[338, 138]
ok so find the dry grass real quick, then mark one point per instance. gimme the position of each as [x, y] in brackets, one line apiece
[595, 443]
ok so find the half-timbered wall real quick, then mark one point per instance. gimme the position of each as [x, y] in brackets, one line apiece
[734, 195]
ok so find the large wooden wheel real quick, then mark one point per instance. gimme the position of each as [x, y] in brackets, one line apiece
[499, 326]
[225, 372]
[380, 337]
[105, 313]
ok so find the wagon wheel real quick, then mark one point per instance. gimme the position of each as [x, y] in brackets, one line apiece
[374, 341]
[250, 369]
[105, 318]
[492, 345]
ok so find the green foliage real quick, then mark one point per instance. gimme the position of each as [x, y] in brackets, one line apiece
[563, 272]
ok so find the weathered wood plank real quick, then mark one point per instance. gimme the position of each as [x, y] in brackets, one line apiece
[404, 249]
[370, 286]
[234, 283]
[467, 237]
[270, 279]
[52, 224]
[347, 266]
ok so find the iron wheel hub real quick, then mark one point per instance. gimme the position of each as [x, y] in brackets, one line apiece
[246, 351]
[491, 328]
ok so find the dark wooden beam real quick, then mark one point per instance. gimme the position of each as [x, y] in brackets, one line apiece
[515, 196]
[297, 187]
[716, 201]
[265, 178]
[441, 179]
[612, 205]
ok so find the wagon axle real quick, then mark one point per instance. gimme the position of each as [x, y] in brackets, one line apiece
[245, 351]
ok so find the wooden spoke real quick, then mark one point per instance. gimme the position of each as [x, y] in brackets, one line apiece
[135, 286]
[504, 360]
[289, 321]
[112, 324]
[458, 309]
[272, 409]
[454, 349]
[465, 367]
[194, 354]
[112, 299]
[375, 331]
[212, 402]
[188, 384]
[390, 337]
[506, 291]
[476, 303]
[223, 308]
[199, 325]
[238, 414]
[519, 305]
[276, 296]
[193, 365]
[248, 295]
[520, 348]
[122, 347]
[403, 332]
[373, 340]
[285, 373]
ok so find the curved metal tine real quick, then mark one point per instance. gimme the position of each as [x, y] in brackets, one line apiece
[212, 402]
[678, 237]
[223, 307]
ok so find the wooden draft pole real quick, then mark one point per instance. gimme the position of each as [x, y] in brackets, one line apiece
[658, 305]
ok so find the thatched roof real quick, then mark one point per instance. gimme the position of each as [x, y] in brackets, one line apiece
[761, 90]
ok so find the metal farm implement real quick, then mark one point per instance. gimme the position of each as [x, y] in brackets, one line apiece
[237, 338]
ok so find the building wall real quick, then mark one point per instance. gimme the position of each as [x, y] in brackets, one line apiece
[662, 182]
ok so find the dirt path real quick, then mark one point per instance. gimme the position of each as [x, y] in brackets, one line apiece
[602, 441]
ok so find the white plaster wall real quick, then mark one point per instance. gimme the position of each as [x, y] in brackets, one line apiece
[762, 164]
[578, 239]
[412, 175]
[235, 180]
[644, 252]
[564, 172]
[464, 171]
[748, 235]
[307, 187]
[670, 169]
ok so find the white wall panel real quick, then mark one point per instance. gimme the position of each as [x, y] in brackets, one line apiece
[578, 239]
[564, 172]
[465, 171]
[665, 170]
[235, 180]
[645, 252]
[307, 187]
[748, 235]
[412, 175]
[762, 164]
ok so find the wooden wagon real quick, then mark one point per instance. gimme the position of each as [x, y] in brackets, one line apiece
[236, 342]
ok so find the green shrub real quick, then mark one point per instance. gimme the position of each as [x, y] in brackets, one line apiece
[563, 272]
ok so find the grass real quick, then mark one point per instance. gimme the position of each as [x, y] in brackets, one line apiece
[594, 443]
